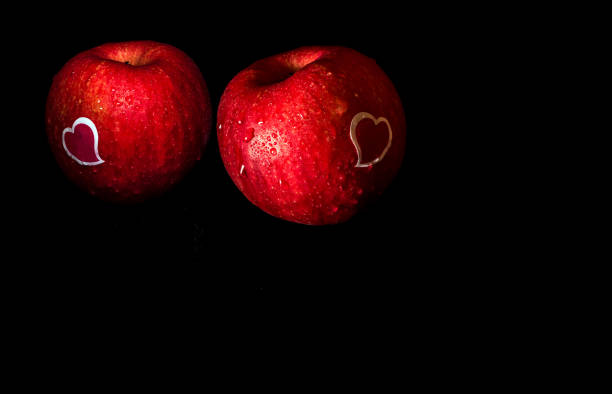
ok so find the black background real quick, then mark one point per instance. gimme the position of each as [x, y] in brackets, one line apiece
[442, 258]
[204, 233]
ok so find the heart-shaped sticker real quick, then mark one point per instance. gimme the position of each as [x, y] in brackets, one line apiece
[81, 142]
[358, 118]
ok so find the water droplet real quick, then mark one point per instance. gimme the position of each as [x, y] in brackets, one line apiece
[219, 127]
[242, 172]
[334, 209]
[118, 103]
[341, 178]
[239, 122]
[260, 122]
[249, 134]
[273, 151]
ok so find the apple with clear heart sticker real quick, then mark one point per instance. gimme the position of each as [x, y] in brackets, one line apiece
[126, 121]
[312, 135]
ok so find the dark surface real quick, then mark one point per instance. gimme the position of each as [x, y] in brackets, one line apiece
[442, 263]
[204, 231]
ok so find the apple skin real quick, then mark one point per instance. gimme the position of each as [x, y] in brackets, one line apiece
[151, 107]
[283, 127]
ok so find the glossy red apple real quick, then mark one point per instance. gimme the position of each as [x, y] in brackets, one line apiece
[312, 135]
[126, 121]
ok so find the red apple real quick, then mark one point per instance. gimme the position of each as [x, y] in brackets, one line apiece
[126, 121]
[312, 135]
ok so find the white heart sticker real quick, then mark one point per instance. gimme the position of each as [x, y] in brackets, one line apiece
[82, 144]
[358, 118]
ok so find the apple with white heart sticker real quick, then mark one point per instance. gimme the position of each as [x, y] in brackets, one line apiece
[312, 135]
[140, 115]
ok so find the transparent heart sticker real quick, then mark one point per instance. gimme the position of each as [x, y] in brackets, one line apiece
[358, 118]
